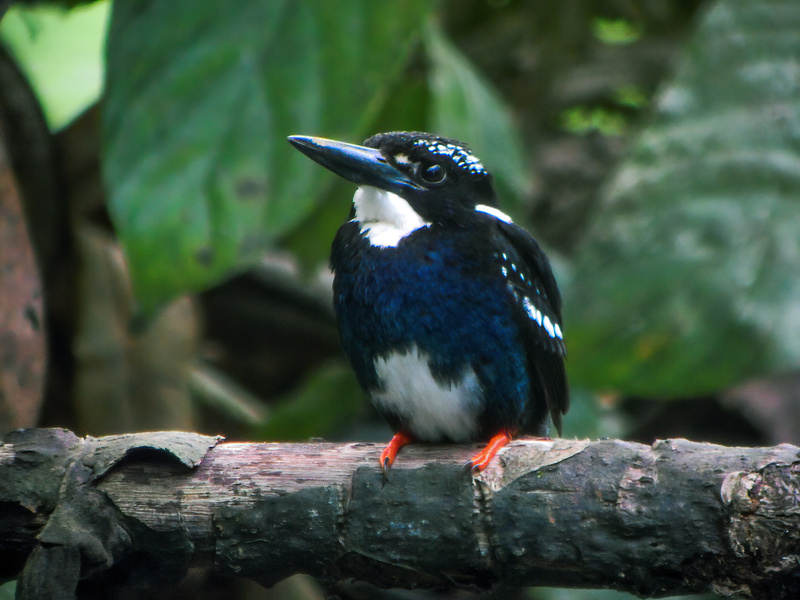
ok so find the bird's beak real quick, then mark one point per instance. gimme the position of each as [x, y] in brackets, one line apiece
[359, 164]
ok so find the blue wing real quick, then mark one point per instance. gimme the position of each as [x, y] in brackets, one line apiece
[530, 280]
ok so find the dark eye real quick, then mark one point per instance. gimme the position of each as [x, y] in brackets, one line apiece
[432, 173]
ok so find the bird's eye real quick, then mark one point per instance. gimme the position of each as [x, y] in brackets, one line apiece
[432, 173]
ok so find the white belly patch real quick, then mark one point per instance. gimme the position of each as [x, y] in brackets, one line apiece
[433, 411]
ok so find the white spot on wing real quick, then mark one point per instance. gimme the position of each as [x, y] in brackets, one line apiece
[494, 212]
[548, 326]
[434, 412]
[385, 218]
[551, 327]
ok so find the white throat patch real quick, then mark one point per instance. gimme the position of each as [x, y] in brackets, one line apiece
[385, 218]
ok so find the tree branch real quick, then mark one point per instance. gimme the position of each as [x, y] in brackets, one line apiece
[677, 517]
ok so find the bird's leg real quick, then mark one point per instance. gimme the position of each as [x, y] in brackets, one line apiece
[398, 441]
[482, 459]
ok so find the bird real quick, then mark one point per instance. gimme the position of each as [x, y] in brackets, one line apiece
[448, 311]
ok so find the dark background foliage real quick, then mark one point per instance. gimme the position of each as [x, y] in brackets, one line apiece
[180, 242]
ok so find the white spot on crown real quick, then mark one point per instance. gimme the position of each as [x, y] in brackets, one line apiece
[460, 156]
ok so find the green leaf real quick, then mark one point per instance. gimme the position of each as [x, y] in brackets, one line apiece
[582, 119]
[405, 108]
[453, 100]
[615, 32]
[8, 590]
[688, 280]
[591, 417]
[200, 99]
[466, 106]
[328, 400]
[61, 53]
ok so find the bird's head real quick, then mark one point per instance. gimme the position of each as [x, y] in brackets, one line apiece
[407, 179]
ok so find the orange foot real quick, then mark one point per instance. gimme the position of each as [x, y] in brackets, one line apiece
[482, 459]
[398, 441]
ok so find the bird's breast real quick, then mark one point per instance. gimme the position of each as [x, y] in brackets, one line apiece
[432, 335]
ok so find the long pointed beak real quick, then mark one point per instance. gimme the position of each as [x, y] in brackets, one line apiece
[359, 164]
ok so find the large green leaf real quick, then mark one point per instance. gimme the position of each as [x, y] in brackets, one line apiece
[465, 105]
[689, 279]
[452, 99]
[61, 53]
[405, 108]
[200, 99]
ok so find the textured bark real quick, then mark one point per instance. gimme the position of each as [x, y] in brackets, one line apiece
[677, 517]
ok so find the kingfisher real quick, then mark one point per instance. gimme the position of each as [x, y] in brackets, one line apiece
[448, 311]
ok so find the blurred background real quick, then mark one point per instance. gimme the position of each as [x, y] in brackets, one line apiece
[163, 249]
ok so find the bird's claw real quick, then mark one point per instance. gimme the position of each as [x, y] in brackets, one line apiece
[390, 451]
[482, 459]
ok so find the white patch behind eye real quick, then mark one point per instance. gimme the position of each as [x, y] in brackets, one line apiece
[494, 212]
[385, 218]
